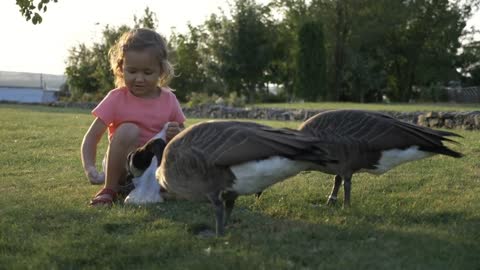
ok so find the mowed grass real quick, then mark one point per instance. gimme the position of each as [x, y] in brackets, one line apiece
[421, 215]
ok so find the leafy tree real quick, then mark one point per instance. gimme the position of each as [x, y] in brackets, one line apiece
[424, 49]
[89, 75]
[368, 48]
[189, 62]
[88, 69]
[388, 47]
[469, 63]
[285, 46]
[341, 30]
[149, 20]
[79, 71]
[311, 72]
[30, 10]
[241, 47]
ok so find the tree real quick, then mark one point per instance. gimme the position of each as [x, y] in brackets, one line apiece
[424, 49]
[149, 20]
[285, 46]
[311, 63]
[190, 65]
[388, 47]
[89, 74]
[469, 63]
[342, 30]
[79, 71]
[241, 47]
[30, 10]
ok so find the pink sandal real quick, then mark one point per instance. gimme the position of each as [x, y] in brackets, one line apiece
[104, 197]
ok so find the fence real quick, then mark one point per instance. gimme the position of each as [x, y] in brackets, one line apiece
[464, 95]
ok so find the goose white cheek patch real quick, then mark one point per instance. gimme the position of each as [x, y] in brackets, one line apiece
[147, 188]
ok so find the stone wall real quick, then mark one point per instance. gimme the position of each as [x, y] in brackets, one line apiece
[450, 120]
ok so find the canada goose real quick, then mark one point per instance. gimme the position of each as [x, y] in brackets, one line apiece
[366, 141]
[221, 160]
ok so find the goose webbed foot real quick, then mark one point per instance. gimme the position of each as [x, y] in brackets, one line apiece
[202, 230]
[332, 201]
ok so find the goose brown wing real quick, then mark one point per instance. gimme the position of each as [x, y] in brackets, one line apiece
[224, 143]
[377, 131]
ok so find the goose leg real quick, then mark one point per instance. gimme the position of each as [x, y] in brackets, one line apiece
[219, 212]
[229, 198]
[347, 186]
[332, 199]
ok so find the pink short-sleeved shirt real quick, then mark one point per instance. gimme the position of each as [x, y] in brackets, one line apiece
[150, 115]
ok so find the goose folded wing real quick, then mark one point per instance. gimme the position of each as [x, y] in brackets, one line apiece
[242, 144]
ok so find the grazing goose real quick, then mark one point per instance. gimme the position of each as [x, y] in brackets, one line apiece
[365, 141]
[221, 160]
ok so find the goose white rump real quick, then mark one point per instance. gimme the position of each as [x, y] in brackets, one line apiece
[395, 157]
[255, 176]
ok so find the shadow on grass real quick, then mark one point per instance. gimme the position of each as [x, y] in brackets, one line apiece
[66, 236]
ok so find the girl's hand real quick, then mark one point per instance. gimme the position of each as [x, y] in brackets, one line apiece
[173, 129]
[94, 176]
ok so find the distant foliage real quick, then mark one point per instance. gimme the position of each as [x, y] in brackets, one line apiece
[89, 75]
[311, 62]
[202, 99]
[191, 69]
[349, 50]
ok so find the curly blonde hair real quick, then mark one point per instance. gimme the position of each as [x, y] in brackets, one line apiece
[140, 39]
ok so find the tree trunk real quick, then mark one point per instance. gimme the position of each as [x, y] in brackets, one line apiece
[339, 55]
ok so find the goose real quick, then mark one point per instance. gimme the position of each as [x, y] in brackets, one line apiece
[220, 160]
[372, 142]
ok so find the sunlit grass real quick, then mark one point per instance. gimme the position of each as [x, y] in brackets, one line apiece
[421, 215]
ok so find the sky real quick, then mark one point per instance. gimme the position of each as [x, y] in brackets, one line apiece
[43, 48]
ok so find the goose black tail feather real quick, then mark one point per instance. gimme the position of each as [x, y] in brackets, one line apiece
[443, 151]
[433, 136]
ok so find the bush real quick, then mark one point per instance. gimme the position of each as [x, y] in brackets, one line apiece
[236, 101]
[200, 99]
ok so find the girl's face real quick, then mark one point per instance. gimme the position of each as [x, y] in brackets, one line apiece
[141, 72]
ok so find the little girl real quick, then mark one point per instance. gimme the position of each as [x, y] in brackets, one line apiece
[134, 112]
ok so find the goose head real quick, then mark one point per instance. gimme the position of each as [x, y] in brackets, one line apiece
[139, 160]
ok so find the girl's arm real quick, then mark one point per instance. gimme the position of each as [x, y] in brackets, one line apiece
[89, 150]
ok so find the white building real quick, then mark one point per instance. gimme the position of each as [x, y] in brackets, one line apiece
[25, 87]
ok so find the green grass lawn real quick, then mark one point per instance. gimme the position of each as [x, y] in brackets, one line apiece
[421, 215]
